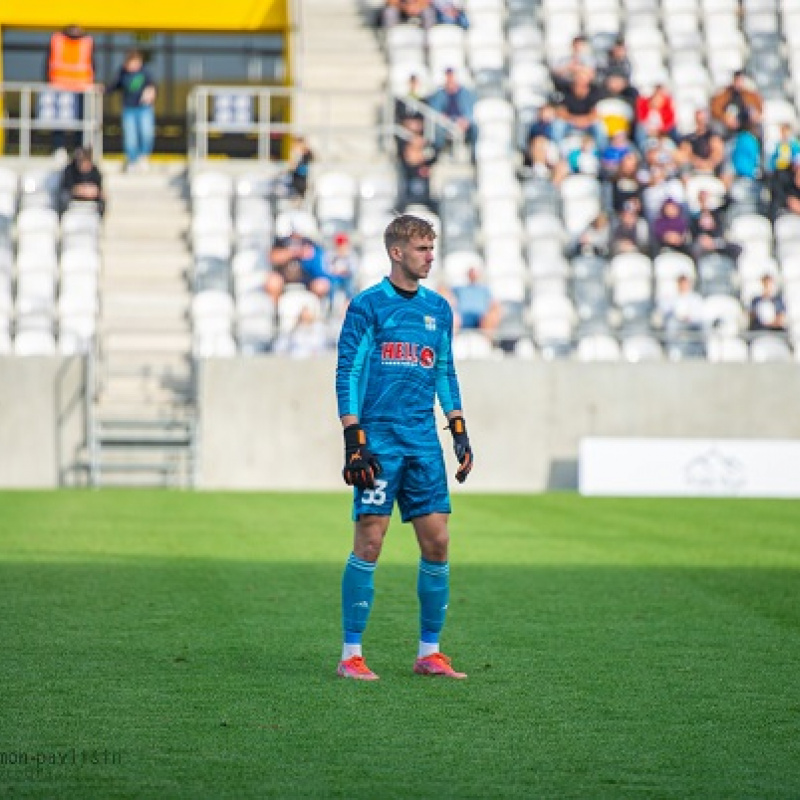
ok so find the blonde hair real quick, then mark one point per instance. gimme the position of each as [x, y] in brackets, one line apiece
[406, 227]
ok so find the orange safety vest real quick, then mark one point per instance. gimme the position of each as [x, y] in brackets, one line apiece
[70, 65]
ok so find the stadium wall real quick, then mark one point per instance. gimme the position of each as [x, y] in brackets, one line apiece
[271, 423]
[42, 421]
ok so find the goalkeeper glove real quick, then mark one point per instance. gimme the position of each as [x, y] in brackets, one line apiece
[461, 447]
[361, 466]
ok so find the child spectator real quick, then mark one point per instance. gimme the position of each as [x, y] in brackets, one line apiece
[585, 159]
[341, 268]
[768, 310]
[655, 115]
[745, 155]
[138, 116]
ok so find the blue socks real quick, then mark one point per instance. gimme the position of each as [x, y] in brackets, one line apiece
[433, 589]
[358, 591]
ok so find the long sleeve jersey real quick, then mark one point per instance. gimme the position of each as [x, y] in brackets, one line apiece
[395, 357]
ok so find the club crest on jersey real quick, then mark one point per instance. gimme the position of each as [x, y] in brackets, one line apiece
[430, 323]
[408, 354]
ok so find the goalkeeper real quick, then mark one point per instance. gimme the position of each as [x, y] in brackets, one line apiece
[394, 359]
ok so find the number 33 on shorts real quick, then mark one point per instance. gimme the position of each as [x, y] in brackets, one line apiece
[376, 496]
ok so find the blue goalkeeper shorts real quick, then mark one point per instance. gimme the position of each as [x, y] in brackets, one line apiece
[414, 476]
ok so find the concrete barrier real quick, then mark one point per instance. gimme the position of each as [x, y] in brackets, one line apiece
[271, 423]
[42, 418]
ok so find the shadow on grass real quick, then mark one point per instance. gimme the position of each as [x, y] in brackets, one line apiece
[216, 679]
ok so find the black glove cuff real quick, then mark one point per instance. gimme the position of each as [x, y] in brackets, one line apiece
[457, 426]
[354, 436]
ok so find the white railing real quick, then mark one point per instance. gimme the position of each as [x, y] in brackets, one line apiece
[310, 114]
[21, 112]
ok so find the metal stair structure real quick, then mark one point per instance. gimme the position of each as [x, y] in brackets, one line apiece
[142, 426]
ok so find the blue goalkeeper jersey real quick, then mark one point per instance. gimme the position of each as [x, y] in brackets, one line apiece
[395, 357]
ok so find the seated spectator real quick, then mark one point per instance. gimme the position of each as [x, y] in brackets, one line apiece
[781, 164]
[474, 306]
[341, 268]
[682, 312]
[595, 240]
[663, 185]
[408, 12]
[791, 197]
[457, 103]
[307, 338]
[768, 310]
[630, 233]
[617, 62]
[737, 105]
[744, 159]
[416, 159]
[627, 183]
[542, 159]
[708, 231]
[580, 60]
[612, 155]
[406, 107]
[297, 259]
[543, 126]
[703, 150]
[671, 229]
[577, 113]
[300, 159]
[81, 181]
[585, 159]
[448, 12]
[655, 116]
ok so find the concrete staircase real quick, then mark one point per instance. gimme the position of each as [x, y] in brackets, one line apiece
[338, 52]
[142, 432]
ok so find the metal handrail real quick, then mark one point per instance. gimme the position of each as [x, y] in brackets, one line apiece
[90, 125]
[311, 116]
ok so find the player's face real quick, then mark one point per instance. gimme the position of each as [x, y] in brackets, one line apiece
[417, 258]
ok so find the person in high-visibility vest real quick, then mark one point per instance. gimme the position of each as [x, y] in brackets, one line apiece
[70, 68]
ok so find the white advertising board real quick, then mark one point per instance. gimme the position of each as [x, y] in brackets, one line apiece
[689, 467]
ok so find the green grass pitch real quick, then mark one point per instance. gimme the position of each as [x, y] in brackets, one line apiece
[171, 645]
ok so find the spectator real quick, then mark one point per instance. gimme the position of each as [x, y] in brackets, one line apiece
[580, 60]
[626, 184]
[70, 68]
[448, 12]
[745, 156]
[585, 159]
[341, 268]
[671, 228]
[409, 12]
[630, 233]
[703, 150]
[617, 62]
[708, 231]
[82, 182]
[655, 116]
[682, 313]
[781, 163]
[300, 159]
[662, 186]
[577, 112]
[307, 338]
[457, 103]
[297, 260]
[544, 123]
[595, 240]
[617, 87]
[768, 310]
[138, 115]
[542, 160]
[791, 197]
[475, 307]
[612, 155]
[416, 159]
[737, 106]
[406, 107]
